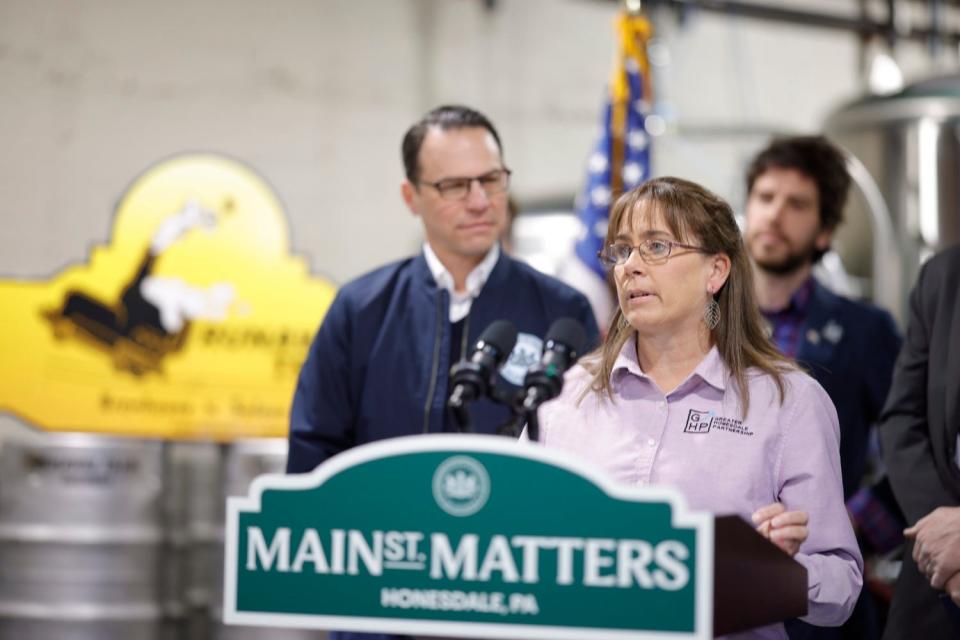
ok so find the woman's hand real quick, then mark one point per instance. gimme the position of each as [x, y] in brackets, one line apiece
[786, 529]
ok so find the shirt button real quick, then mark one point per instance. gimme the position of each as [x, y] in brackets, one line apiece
[661, 405]
[652, 442]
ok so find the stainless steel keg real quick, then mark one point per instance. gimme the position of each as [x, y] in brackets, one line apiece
[193, 524]
[81, 538]
[245, 460]
[194, 515]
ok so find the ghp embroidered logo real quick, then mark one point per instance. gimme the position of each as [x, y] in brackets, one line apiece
[698, 421]
[704, 421]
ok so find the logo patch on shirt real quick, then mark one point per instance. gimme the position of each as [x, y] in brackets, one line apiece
[704, 421]
[698, 422]
[525, 354]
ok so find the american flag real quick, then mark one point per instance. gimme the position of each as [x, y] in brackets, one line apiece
[620, 160]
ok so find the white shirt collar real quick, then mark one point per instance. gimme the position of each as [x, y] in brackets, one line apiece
[460, 302]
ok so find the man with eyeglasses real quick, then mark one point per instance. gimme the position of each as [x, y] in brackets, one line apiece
[379, 365]
[796, 190]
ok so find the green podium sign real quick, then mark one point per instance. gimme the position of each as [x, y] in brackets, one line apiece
[467, 536]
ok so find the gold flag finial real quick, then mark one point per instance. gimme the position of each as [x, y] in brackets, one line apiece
[633, 6]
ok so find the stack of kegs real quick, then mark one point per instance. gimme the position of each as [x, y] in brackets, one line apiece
[119, 539]
[194, 531]
[244, 460]
[81, 539]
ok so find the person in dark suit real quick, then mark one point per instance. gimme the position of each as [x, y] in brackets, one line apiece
[919, 432]
[796, 189]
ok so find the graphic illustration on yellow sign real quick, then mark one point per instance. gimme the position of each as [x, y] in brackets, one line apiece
[153, 316]
[191, 322]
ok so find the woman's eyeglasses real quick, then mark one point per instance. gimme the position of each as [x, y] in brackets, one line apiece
[652, 251]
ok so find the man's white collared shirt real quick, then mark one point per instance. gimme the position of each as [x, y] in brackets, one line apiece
[460, 301]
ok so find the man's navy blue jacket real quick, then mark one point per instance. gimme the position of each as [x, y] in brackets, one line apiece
[850, 348]
[379, 365]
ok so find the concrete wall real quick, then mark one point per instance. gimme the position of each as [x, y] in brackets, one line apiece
[315, 96]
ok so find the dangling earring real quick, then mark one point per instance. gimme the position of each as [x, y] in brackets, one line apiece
[711, 313]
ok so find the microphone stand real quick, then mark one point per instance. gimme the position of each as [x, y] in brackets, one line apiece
[533, 424]
[511, 426]
[458, 409]
[523, 408]
[531, 408]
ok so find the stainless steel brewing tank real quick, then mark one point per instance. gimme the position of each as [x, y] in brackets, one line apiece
[906, 163]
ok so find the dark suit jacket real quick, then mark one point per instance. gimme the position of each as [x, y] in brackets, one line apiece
[850, 348]
[919, 433]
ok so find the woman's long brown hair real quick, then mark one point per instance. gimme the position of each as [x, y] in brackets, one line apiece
[695, 215]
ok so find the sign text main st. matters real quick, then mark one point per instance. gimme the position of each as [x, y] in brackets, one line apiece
[469, 536]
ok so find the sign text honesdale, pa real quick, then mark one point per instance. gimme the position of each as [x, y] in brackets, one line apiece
[471, 536]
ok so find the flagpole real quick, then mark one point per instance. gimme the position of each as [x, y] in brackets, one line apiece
[620, 159]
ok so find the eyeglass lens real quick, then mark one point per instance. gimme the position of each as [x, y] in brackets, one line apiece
[457, 188]
[619, 253]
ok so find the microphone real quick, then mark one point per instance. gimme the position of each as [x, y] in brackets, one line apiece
[562, 347]
[475, 378]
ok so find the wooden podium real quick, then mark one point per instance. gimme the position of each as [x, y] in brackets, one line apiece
[754, 582]
[473, 536]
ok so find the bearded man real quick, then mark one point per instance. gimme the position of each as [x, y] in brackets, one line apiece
[796, 189]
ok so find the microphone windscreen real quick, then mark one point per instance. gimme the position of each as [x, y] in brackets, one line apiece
[567, 332]
[502, 335]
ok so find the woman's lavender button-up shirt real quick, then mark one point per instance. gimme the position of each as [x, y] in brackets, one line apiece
[696, 439]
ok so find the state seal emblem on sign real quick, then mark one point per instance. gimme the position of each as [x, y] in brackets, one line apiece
[461, 486]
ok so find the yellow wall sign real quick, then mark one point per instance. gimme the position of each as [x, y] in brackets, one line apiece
[191, 323]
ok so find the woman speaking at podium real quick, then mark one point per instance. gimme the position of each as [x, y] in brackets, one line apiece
[687, 390]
